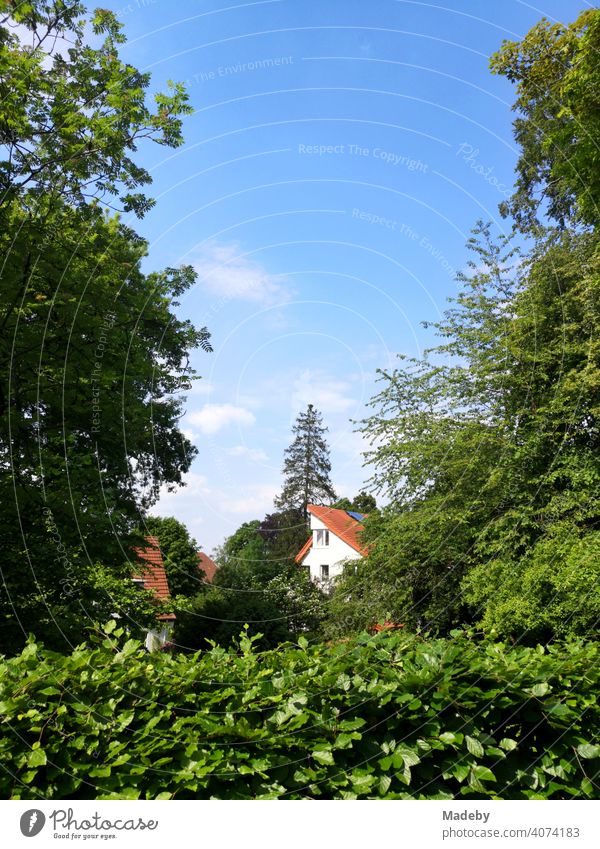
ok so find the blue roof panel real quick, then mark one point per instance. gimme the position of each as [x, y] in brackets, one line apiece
[358, 516]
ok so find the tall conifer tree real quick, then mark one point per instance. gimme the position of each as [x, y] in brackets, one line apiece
[306, 466]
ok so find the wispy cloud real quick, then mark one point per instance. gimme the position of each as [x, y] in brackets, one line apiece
[256, 455]
[253, 500]
[214, 417]
[223, 270]
[328, 394]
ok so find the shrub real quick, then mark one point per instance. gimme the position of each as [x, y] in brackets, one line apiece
[390, 716]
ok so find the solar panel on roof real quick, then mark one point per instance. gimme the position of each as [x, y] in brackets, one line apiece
[358, 516]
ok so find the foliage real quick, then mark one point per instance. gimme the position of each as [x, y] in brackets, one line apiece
[488, 451]
[385, 717]
[218, 615]
[246, 543]
[557, 74]
[71, 118]
[306, 466]
[93, 358]
[283, 533]
[552, 590]
[259, 583]
[435, 443]
[545, 525]
[364, 503]
[180, 555]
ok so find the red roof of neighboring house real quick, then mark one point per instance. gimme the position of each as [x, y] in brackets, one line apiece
[152, 573]
[339, 522]
[208, 566]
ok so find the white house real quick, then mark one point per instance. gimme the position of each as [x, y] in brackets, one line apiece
[334, 540]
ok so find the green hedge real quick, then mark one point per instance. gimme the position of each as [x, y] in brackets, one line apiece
[390, 716]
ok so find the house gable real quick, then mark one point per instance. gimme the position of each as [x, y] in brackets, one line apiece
[335, 539]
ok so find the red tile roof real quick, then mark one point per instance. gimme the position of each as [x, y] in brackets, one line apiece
[340, 523]
[152, 573]
[208, 566]
[304, 550]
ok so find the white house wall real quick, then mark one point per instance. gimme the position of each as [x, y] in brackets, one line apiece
[332, 555]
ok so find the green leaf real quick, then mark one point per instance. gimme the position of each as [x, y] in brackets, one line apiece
[460, 771]
[588, 750]
[587, 787]
[540, 689]
[474, 746]
[448, 737]
[482, 773]
[384, 784]
[37, 758]
[404, 757]
[323, 756]
[100, 772]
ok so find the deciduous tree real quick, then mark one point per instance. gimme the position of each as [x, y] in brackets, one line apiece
[93, 358]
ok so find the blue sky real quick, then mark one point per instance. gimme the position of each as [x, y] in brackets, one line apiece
[338, 155]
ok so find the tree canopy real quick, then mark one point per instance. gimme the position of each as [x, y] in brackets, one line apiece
[93, 358]
[180, 555]
[557, 75]
[487, 447]
[257, 584]
[306, 466]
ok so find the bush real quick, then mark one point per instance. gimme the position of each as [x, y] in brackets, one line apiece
[390, 716]
[219, 614]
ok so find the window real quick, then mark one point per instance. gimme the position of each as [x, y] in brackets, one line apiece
[322, 538]
[324, 572]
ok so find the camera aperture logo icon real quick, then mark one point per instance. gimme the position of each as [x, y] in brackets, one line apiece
[32, 822]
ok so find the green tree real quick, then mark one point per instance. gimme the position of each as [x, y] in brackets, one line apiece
[364, 503]
[306, 467]
[180, 555]
[437, 434]
[220, 614]
[71, 122]
[556, 70]
[92, 356]
[241, 555]
[549, 476]
[283, 534]
[488, 452]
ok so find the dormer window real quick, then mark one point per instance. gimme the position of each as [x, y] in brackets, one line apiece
[321, 538]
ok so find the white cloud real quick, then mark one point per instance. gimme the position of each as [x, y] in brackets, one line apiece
[171, 503]
[254, 454]
[224, 272]
[214, 417]
[253, 500]
[326, 393]
[200, 388]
